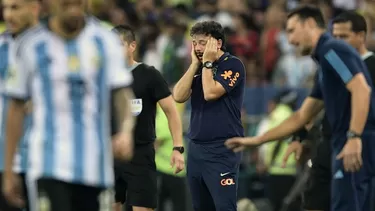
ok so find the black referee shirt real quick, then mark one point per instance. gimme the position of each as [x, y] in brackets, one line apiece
[149, 87]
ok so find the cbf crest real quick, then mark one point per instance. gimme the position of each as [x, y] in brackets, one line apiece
[136, 106]
[214, 70]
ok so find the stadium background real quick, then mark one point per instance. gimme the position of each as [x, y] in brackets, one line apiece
[254, 33]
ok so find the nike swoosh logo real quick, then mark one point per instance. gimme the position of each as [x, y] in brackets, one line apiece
[221, 174]
[196, 76]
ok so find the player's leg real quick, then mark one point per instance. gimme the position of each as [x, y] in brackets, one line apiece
[142, 190]
[25, 192]
[177, 189]
[284, 184]
[163, 194]
[141, 178]
[120, 185]
[91, 198]
[221, 177]
[120, 190]
[317, 195]
[53, 195]
[201, 197]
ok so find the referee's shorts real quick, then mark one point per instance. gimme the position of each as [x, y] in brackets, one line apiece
[136, 181]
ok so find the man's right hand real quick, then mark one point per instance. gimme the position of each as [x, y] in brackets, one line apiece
[294, 147]
[12, 189]
[238, 144]
[122, 145]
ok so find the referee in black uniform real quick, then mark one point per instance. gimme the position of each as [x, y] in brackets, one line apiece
[350, 27]
[135, 182]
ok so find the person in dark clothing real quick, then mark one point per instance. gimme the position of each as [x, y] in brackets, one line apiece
[344, 90]
[350, 27]
[215, 83]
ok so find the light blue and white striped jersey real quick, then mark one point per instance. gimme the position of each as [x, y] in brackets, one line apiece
[6, 64]
[69, 82]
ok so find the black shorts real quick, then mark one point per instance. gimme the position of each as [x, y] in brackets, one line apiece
[4, 205]
[136, 181]
[317, 195]
[61, 196]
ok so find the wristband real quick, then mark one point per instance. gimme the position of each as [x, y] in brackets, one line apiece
[301, 134]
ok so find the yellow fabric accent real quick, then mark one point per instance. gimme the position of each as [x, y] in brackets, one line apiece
[106, 25]
[2, 27]
[281, 113]
[175, 2]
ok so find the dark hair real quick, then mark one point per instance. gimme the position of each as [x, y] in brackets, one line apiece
[126, 31]
[212, 28]
[305, 12]
[358, 21]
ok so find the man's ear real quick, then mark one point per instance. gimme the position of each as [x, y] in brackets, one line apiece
[133, 46]
[362, 35]
[219, 44]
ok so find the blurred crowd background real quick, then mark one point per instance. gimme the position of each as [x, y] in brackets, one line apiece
[277, 79]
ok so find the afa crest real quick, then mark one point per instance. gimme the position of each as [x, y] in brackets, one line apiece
[11, 75]
[136, 106]
[214, 70]
[73, 63]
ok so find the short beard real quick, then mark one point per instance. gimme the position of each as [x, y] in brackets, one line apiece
[306, 51]
[72, 25]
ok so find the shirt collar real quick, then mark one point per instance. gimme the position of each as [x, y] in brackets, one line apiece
[132, 67]
[222, 57]
[366, 55]
[322, 39]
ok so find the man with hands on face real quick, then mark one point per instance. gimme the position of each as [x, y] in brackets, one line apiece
[215, 82]
[344, 85]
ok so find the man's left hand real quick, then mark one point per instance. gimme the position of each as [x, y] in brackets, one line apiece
[177, 161]
[210, 53]
[352, 155]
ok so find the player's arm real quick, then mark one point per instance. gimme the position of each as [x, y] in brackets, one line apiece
[309, 109]
[311, 106]
[302, 133]
[119, 80]
[182, 89]
[17, 89]
[162, 95]
[229, 74]
[174, 121]
[16, 114]
[161, 130]
[350, 69]
[122, 109]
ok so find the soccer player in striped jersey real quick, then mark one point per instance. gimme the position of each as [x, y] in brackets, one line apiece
[19, 15]
[71, 69]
